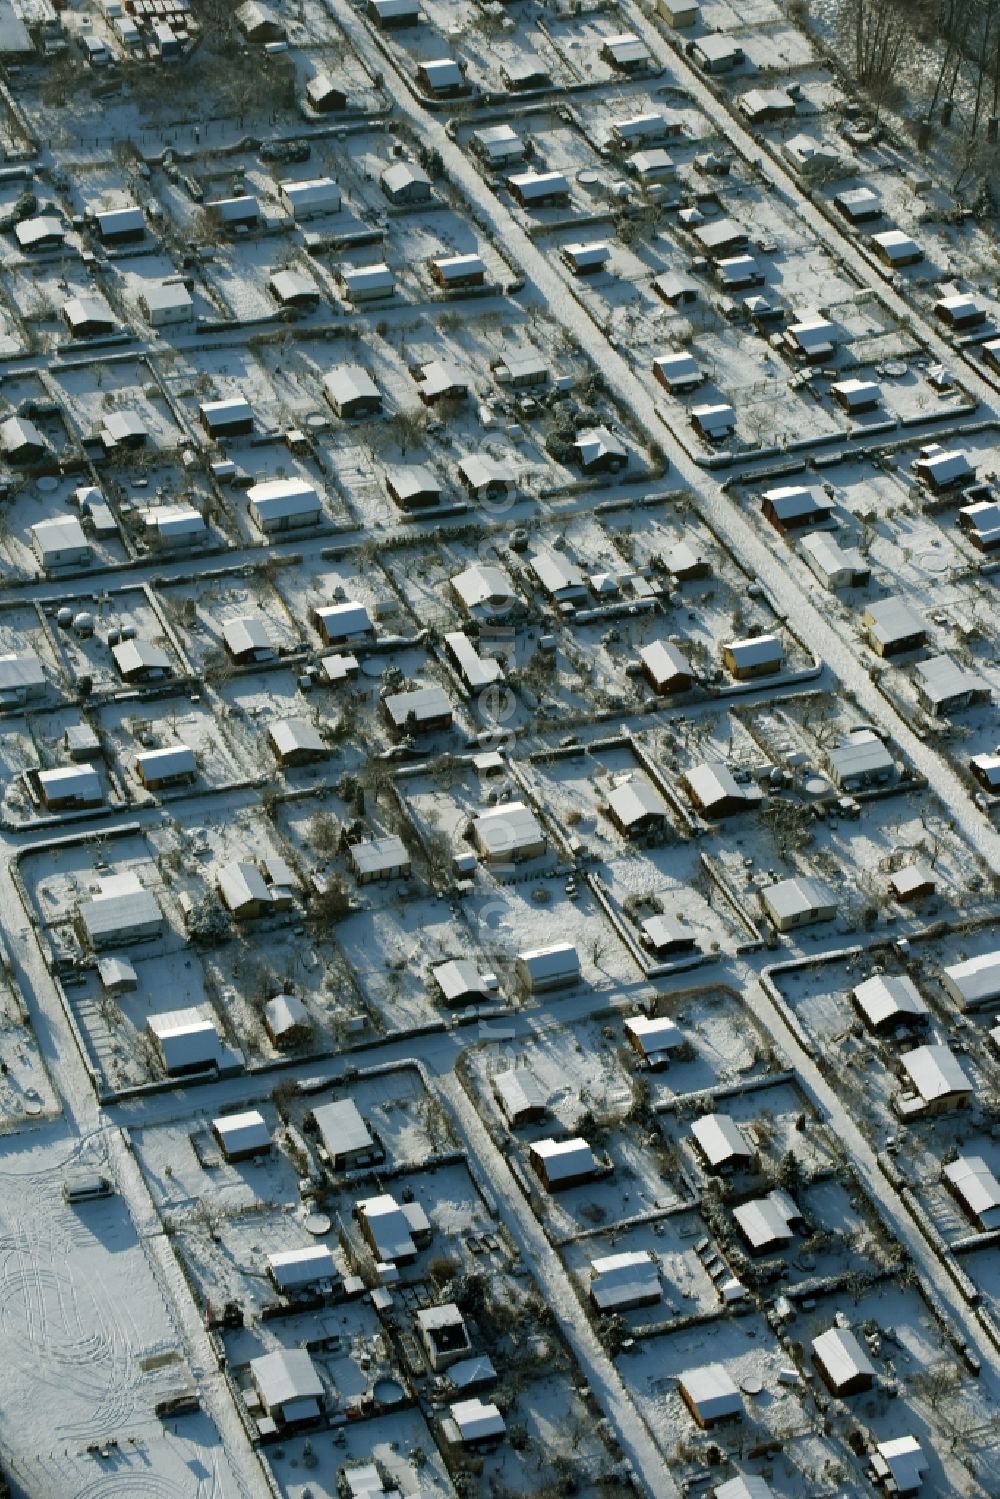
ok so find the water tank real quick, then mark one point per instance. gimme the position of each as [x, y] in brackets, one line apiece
[83, 623]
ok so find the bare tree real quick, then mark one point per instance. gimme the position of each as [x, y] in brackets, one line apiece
[876, 32]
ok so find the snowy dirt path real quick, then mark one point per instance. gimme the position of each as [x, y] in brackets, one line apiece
[553, 1281]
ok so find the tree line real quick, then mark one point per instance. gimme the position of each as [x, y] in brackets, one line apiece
[880, 35]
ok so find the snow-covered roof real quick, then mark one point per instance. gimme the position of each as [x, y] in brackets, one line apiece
[290, 1268]
[230, 410]
[35, 231]
[755, 650]
[478, 671]
[21, 671]
[477, 1421]
[745, 1486]
[284, 1013]
[160, 764]
[187, 1038]
[557, 575]
[896, 245]
[901, 1461]
[935, 1072]
[710, 1389]
[654, 1035]
[960, 307]
[714, 785]
[518, 1092]
[624, 1280]
[342, 1128]
[558, 960]
[892, 620]
[395, 9]
[117, 973]
[239, 210]
[504, 831]
[243, 1132]
[378, 858]
[664, 661]
[789, 900]
[361, 279]
[626, 49]
[531, 185]
[246, 634]
[973, 1181]
[443, 72]
[792, 501]
[135, 657]
[286, 1377]
[652, 125]
[296, 736]
[842, 1356]
[862, 756]
[716, 420]
[983, 520]
[975, 981]
[804, 151]
[827, 557]
[409, 481]
[498, 143]
[241, 884]
[720, 1139]
[480, 470]
[856, 202]
[856, 393]
[634, 800]
[418, 705]
[661, 932]
[71, 782]
[943, 466]
[813, 335]
[564, 1158]
[653, 163]
[389, 1228]
[677, 369]
[162, 296]
[766, 1222]
[122, 908]
[173, 521]
[340, 621]
[62, 533]
[276, 498]
[587, 255]
[720, 235]
[459, 267]
[318, 193]
[459, 977]
[345, 384]
[887, 997]
[79, 311]
[293, 286]
[442, 377]
[484, 586]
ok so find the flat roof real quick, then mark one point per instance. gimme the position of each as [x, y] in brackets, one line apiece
[342, 1128]
[710, 1388]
